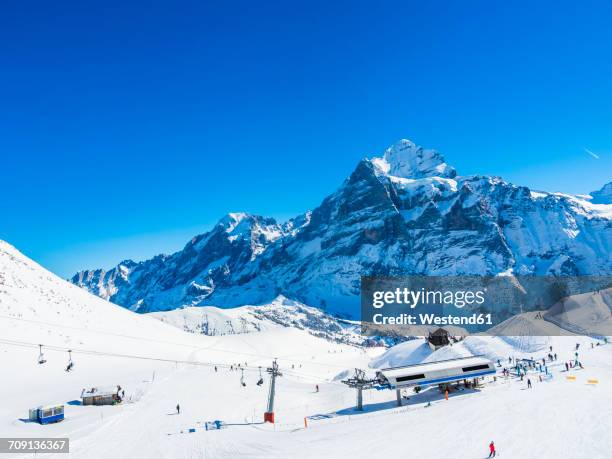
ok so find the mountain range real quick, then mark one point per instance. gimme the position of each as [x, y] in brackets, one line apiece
[405, 212]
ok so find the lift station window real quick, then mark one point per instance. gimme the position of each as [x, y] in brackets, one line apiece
[475, 367]
[410, 378]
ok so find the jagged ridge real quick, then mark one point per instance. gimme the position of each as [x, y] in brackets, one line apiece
[407, 212]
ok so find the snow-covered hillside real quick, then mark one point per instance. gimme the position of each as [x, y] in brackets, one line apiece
[406, 212]
[213, 321]
[160, 365]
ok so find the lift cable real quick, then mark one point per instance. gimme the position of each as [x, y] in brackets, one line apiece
[139, 357]
[138, 338]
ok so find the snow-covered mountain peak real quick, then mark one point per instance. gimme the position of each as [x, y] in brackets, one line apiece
[233, 219]
[604, 195]
[242, 224]
[405, 159]
[400, 214]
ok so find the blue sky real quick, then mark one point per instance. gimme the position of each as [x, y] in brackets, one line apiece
[126, 128]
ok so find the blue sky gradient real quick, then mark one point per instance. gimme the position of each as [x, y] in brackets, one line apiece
[126, 127]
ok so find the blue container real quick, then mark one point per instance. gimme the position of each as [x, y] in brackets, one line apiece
[47, 414]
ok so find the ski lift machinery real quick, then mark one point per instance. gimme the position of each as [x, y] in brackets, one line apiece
[422, 374]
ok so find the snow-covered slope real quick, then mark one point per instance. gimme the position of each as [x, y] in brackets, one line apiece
[32, 298]
[493, 347]
[588, 313]
[160, 365]
[156, 363]
[213, 321]
[407, 212]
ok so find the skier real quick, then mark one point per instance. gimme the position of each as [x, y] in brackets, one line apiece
[215, 369]
[317, 388]
[178, 409]
[491, 449]
[528, 383]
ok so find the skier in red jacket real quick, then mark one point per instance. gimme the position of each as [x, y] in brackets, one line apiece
[492, 449]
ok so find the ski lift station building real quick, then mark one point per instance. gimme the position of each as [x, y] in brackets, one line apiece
[101, 396]
[47, 414]
[433, 373]
[438, 339]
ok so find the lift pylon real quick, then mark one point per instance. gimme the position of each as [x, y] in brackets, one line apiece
[274, 372]
[360, 382]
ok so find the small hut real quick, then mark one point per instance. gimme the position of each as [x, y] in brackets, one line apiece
[101, 395]
[47, 414]
[438, 338]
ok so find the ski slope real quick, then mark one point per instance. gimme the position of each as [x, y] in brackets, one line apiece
[159, 365]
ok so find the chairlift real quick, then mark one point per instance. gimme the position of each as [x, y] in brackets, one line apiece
[70, 365]
[261, 381]
[41, 356]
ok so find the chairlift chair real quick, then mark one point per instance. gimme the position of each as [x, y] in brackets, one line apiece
[41, 356]
[261, 381]
[70, 365]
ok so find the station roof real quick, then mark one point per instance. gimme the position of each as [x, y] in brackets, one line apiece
[99, 391]
[435, 366]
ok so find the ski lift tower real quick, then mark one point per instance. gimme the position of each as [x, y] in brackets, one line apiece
[359, 382]
[274, 372]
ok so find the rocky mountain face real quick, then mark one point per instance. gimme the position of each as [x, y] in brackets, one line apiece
[603, 196]
[406, 212]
